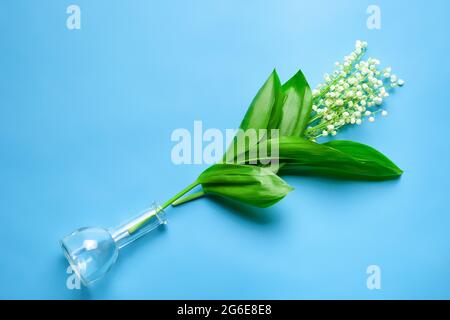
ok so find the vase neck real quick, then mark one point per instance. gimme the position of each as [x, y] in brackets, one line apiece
[147, 221]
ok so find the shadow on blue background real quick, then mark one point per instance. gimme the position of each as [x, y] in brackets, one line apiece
[86, 118]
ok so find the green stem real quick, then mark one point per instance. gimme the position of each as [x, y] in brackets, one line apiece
[139, 225]
[188, 198]
[179, 195]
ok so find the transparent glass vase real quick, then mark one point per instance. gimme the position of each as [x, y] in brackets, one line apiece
[92, 251]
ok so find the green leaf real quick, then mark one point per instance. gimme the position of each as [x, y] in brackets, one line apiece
[296, 108]
[259, 113]
[286, 108]
[252, 185]
[344, 159]
[263, 113]
[361, 152]
[380, 165]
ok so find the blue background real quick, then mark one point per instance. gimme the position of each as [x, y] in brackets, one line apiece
[85, 125]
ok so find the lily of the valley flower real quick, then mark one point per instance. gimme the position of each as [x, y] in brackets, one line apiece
[354, 91]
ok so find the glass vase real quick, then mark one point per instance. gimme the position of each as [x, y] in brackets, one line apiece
[92, 251]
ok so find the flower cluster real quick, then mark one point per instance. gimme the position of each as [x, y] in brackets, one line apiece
[353, 92]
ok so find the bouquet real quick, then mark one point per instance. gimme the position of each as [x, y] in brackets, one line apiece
[280, 133]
